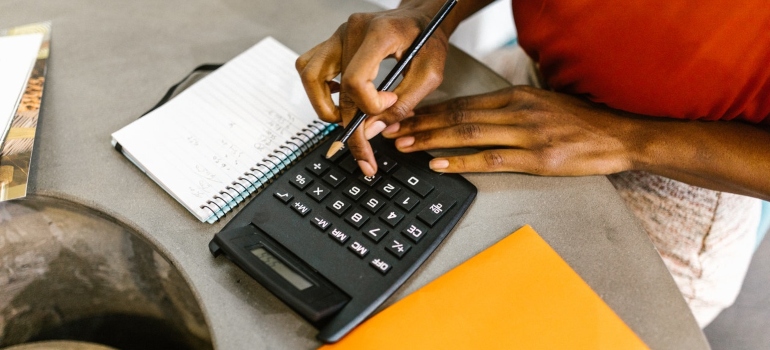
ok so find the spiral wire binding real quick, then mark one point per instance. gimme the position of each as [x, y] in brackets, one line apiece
[265, 171]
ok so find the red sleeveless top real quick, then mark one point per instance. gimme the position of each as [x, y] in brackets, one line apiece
[707, 60]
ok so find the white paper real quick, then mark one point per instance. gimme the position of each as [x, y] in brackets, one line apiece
[17, 58]
[212, 133]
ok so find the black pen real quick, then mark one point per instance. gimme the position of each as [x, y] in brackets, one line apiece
[394, 73]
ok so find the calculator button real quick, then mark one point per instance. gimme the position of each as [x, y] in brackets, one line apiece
[380, 265]
[318, 192]
[301, 181]
[320, 222]
[436, 209]
[392, 217]
[385, 164]
[388, 189]
[410, 180]
[355, 191]
[415, 231]
[338, 206]
[334, 178]
[397, 247]
[358, 249]
[356, 219]
[337, 156]
[300, 208]
[283, 196]
[317, 167]
[349, 164]
[338, 235]
[370, 180]
[406, 201]
[373, 203]
[375, 231]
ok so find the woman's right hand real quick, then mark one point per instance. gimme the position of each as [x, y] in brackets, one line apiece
[355, 51]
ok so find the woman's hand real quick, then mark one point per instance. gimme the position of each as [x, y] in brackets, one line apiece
[522, 129]
[355, 51]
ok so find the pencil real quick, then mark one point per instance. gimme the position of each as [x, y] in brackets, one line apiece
[394, 73]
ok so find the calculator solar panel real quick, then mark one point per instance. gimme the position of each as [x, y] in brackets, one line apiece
[334, 244]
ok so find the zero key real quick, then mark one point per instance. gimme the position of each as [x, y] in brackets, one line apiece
[409, 179]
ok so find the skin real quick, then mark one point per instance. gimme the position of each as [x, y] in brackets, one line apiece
[517, 129]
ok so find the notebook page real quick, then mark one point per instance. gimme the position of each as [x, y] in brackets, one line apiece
[198, 143]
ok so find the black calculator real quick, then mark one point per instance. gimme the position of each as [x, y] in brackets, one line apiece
[334, 244]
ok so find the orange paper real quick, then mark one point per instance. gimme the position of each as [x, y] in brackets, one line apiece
[517, 294]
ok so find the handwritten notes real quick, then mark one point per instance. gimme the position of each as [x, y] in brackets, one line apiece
[199, 143]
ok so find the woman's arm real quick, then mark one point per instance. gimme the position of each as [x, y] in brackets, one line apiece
[523, 129]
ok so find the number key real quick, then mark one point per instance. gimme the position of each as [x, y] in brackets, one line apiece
[410, 180]
[356, 219]
[407, 200]
[338, 206]
[373, 203]
[388, 189]
[354, 192]
[375, 231]
[392, 217]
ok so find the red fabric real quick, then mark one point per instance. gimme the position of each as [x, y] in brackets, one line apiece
[707, 60]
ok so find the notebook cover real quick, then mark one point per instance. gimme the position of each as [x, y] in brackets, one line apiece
[517, 294]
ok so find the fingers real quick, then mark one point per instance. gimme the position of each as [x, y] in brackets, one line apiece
[452, 118]
[465, 135]
[555, 161]
[424, 75]
[497, 160]
[317, 68]
[362, 69]
[490, 100]
[362, 152]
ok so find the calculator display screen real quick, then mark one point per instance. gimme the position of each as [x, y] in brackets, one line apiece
[280, 268]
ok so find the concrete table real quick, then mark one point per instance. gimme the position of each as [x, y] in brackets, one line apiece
[112, 60]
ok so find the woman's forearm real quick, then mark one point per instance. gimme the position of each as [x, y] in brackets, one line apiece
[725, 156]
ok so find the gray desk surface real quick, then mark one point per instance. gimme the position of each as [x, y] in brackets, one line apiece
[112, 60]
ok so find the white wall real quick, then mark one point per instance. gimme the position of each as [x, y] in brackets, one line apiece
[483, 32]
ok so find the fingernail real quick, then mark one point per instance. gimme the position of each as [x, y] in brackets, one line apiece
[403, 142]
[438, 164]
[373, 129]
[389, 100]
[392, 128]
[366, 168]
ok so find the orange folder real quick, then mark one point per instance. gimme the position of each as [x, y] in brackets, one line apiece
[517, 294]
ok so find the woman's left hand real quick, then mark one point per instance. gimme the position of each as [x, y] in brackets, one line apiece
[522, 129]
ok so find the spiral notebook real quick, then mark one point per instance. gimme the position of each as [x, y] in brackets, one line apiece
[227, 135]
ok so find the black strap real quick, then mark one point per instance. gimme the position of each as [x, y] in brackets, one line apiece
[209, 67]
